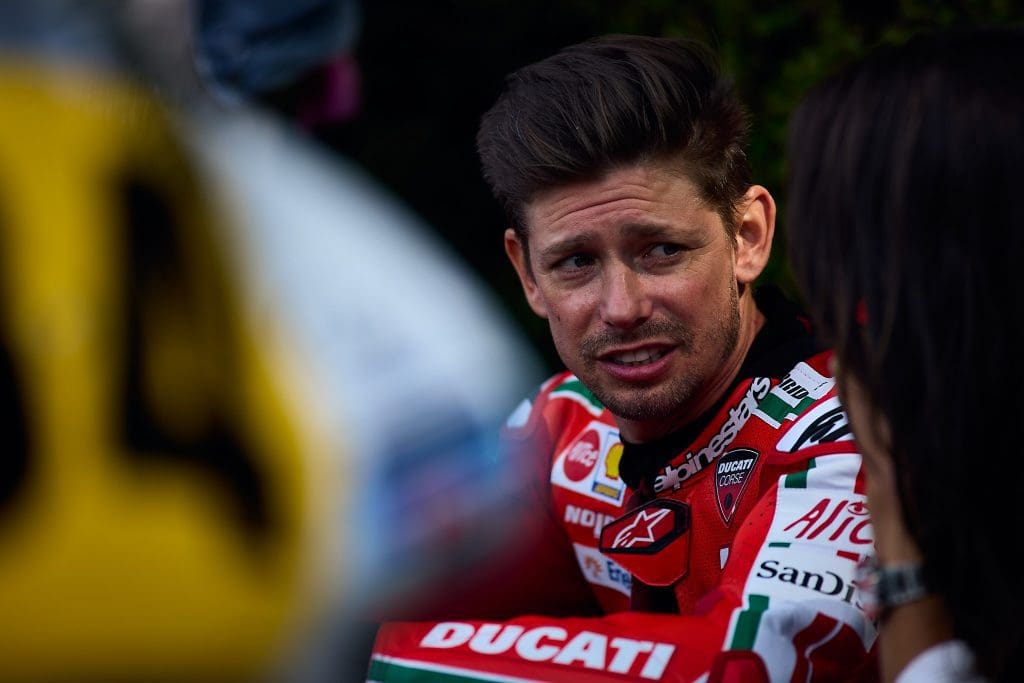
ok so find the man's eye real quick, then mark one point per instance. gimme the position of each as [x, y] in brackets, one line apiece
[665, 250]
[575, 262]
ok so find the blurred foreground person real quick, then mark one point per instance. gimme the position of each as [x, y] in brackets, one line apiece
[245, 396]
[695, 478]
[907, 238]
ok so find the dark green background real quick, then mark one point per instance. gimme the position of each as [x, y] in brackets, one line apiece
[430, 69]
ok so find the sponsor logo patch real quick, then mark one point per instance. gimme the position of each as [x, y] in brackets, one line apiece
[652, 541]
[839, 520]
[602, 570]
[586, 517]
[589, 465]
[732, 474]
[579, 462]
[800, 388]
[824, 423]
[822, 581]
[693, 462]
[550, 643]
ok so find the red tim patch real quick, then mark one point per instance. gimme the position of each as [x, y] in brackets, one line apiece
[652, 541]
[732, 474]
[582, 456]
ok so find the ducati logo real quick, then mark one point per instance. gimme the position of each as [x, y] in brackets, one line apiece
[732, 474]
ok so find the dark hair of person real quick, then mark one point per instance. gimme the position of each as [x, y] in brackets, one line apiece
[609, 102]
[906, 234]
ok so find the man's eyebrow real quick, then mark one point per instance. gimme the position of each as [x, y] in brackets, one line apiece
[651, 229]
[566, 246]
[645, 230]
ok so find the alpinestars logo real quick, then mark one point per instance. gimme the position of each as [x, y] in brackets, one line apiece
[674, 476]
[647, 529]
[641, 529]
[651, 542]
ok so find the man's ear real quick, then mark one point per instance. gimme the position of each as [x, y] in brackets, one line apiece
[517, 254]
[754, 234]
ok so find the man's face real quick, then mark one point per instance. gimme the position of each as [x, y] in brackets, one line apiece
[636, 277]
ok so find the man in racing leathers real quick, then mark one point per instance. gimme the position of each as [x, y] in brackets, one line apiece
[697, 484]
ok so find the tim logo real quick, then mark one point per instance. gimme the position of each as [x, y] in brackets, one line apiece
[824, 423]
[589, 465]
[581, 458]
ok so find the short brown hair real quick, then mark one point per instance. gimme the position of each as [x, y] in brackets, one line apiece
[613, 101]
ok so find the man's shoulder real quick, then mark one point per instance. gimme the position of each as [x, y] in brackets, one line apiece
[806, 382]
[804, 409]
[562, 403]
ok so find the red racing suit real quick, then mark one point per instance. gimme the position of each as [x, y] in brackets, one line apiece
[744, 544]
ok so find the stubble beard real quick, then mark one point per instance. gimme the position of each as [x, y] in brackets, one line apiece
[639, 403]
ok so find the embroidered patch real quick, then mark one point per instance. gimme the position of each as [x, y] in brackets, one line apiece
[652, 542]
[732, 474]
[824, 423]
[589, 465]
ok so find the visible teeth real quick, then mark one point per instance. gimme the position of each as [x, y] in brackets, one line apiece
[638, 357]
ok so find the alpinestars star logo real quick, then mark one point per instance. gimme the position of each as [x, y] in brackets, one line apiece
[647, 529]
[641, 529]
[651, 542]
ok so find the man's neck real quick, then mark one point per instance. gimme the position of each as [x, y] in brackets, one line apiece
[751, 322]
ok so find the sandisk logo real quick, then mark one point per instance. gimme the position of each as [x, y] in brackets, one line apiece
[825, 582]
[587, 649]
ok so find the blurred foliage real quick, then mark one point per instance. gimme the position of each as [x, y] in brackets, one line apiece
[431, 69]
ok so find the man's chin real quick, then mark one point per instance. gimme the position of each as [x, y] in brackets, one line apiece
[642, 404]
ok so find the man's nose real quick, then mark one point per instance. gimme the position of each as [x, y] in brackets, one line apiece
[624, 300]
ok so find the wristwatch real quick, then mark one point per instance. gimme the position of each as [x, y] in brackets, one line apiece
[880, 589]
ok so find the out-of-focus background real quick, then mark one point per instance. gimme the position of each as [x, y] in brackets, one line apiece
[257, 331]
[251, 400]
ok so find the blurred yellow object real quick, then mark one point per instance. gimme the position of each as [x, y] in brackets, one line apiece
[155, 522]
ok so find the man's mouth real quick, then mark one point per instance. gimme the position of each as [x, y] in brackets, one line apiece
[636, 358]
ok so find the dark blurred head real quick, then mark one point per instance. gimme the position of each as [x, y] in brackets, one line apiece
[906, 236]
[293, 56]
[610, 102]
